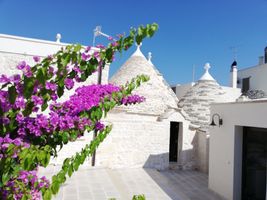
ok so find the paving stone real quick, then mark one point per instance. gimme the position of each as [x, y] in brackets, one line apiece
[122, 184]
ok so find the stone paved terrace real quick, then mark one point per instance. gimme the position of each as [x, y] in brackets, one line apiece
[122, 184]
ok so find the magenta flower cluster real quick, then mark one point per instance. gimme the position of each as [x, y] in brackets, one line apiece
[29, 179]
[5, 143]
[133, 99]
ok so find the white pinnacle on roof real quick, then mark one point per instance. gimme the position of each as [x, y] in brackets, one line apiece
[206, 76]
[138, 52]
[58, 37]
[149, 56]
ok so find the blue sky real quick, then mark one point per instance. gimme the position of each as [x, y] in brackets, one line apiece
[191, 33]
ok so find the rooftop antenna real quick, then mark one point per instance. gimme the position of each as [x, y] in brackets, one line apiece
[234, 50]
[98, 32]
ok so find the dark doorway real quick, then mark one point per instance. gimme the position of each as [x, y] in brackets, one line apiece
[174, 130]
[254, 163]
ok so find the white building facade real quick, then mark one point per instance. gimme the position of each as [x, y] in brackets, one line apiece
[237, 163]
[252, 80]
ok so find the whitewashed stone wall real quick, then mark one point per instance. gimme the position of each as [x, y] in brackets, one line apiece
[139, 141]
[143, 141]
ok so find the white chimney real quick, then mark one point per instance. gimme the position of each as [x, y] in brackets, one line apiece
[261, 60]
[233, 75]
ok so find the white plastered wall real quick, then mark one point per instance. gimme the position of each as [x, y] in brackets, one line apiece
[225, 157]
[140, 141]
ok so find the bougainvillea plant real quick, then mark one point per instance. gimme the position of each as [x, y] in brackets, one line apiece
[34, 123]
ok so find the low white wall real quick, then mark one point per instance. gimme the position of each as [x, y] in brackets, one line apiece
[15, 49]
[225, 154]
[202, 151]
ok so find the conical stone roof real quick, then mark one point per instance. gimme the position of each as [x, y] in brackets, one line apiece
[158, 94]
[196, 102]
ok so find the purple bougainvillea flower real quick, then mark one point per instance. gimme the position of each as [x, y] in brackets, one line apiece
[84, 57]
[19, 118]
[5, 120]
[27, 71]
[21, 65]
[88, 49]
[51, 70]
[36, 58]
[17, 142]
[4, 79]
[99, 126]
[21, 132]
[51, 86]
[100, 46]
[114, 44]
[69, 83]
[133, 99]
[16, 78]
[20, 103]
[37, 100]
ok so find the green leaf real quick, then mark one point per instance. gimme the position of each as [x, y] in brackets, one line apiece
[83, 65]
[12, 124]
[72, 74]
[65, 137]
[65, 59]
[60, 91]
[77, 47]
[44, 158]
[109, 54]
[47, 195]
[40, 76]
[61, 176]
[70, 171]
[28, 87]
[140, 30]
[24, 197]
[76, 164]
[28, 109]
[93, 61]
[44, 106]
[12, 94]
[55, 187]
[138, 39]
[5, 178]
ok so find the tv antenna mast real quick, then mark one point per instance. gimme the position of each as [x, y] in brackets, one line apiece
[234, 50]
[98, 32]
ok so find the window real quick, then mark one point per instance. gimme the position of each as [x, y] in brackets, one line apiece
[245, 85]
